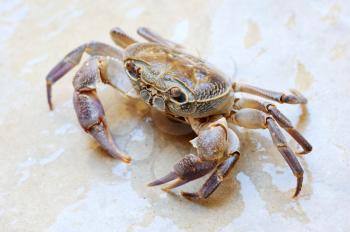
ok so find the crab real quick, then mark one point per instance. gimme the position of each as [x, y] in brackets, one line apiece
[185, 88]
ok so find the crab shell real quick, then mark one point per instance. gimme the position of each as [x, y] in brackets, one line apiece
[205, 90]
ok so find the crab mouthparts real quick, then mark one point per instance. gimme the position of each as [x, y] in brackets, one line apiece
[153, 99]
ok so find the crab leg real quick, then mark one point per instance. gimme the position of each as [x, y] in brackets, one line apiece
[88, 107]
[73, 58]
[121, 38]
[281, 144]
[155, 38]
[295, 98]
[281, 119]
[255, 119]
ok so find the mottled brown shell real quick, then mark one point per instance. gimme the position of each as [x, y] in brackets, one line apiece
[211, 91]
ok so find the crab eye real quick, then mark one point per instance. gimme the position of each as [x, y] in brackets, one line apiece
[177, 95]
[133, 71]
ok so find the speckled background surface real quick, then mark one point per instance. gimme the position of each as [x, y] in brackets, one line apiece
[54, 177]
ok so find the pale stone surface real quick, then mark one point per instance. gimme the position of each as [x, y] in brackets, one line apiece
[55, 178]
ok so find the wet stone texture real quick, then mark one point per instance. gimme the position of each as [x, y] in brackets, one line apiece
[54, 177]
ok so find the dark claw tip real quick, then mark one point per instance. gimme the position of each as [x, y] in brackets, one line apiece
[50, 106]
[171, 176]
[151, 184]
[125, 159]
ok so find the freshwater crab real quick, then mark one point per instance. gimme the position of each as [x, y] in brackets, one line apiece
[183, 87]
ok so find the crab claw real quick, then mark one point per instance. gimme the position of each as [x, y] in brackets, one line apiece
[189, 168]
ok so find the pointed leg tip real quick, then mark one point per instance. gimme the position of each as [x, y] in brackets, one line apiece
[48, 93]
[50, 106]
[303, 152]
[299, 186]
[296, 194]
